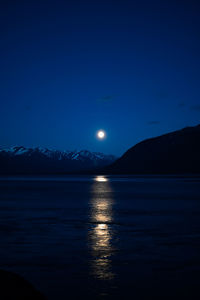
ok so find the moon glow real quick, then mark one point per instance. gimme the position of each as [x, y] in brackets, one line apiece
[101, 134]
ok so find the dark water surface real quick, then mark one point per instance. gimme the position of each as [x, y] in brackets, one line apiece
[103, 237]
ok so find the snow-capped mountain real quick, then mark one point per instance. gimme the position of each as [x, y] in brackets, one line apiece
[19, 159]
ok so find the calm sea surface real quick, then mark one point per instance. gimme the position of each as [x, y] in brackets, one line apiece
[103, 237]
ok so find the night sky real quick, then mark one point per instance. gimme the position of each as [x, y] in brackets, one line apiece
[69, 68]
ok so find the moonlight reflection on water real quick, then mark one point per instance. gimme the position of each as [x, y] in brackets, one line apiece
[101, 179]
[101, 231]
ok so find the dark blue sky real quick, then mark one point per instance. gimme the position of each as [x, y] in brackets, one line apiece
[69, 68]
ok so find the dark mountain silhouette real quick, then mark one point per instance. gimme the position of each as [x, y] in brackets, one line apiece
[14, 286]
[21, 160]
[173, 153]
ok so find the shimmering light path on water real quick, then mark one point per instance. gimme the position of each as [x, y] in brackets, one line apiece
[103, 237]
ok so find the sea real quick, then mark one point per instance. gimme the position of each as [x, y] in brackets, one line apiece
[103, 237]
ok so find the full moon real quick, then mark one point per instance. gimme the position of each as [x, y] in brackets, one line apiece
[101, 134]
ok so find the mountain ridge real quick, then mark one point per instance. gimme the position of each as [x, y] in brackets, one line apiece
[19, 159]
[176, 152]
[170, 153]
